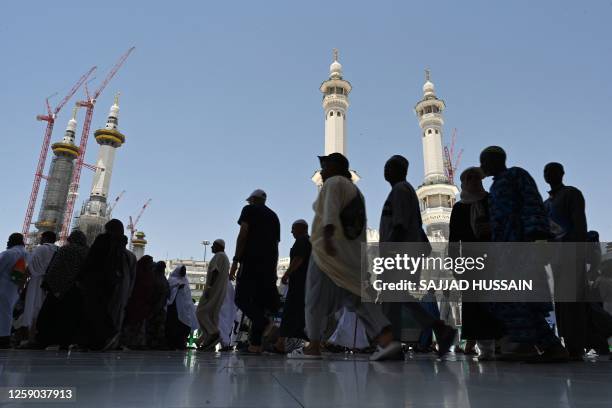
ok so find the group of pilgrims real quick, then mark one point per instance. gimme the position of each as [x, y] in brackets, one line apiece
[100, 297]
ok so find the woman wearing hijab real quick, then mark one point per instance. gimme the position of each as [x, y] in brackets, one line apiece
[181, 317]
[469, 222]
[139, 305]
[60, 314]
[156, 322]
[107, 278]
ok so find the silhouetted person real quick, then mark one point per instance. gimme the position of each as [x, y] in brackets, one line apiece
[40, 258]
[61, 313]
[400, 222]
[469, 223]
[12, 277]
[568, 223]
[517, 214]
[257, 256]
[107, 278]
[209, 308]
[156, 322]
[334, 278]
[293, 323]
[180, 318]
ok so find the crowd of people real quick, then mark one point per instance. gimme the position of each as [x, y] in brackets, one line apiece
[102, 298]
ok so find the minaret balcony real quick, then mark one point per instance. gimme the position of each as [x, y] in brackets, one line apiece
[109, 136]
[65, 149]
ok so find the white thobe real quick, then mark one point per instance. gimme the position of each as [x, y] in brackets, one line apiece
[40, 258]
[347, 335]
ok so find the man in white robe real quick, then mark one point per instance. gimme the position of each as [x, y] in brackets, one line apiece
[15, 257]
[227, 318]
[334, 278]
[217, 277]
[350, 331]
[40, 258]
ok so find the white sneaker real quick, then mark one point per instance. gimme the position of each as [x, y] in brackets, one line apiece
[298, 354]
[393, 351]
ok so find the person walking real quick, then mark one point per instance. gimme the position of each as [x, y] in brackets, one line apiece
[469, 223]
[293, 323]
[212, 299]
[334, 278]
[254, 267]
[517, 214]
[566, 210]
[400, 222]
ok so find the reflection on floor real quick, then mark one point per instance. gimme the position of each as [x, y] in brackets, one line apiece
[195, 379]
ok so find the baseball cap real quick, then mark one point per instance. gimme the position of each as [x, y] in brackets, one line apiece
[259, 193]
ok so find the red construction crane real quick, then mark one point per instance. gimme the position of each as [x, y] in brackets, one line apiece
[112, 206]
[132, 224]
[42, 158]
[451, 163]
[76, 175]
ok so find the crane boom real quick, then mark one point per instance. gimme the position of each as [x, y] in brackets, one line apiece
[76, 175]
[42, 158]
[144, 207]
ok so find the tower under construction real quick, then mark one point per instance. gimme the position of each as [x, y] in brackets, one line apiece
[95, 211]
[53, 204]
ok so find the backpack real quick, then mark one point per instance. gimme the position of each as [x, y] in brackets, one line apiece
[353, 217]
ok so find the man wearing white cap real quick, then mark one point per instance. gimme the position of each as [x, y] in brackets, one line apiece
[255, 263]
[209, 307]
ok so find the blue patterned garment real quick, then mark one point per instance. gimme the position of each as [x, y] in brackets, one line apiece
[517, 214]
[516, 208]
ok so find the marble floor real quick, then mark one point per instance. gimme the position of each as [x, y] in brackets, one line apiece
[195, 379]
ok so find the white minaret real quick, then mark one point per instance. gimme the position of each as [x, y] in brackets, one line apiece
[94, 213]
[335, 92]
[109, 139]
[335, 105]
[436, 194]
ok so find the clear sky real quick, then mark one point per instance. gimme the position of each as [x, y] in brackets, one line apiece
[220, 98]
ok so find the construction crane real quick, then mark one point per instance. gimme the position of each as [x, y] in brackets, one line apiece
[112, 206]
[44, 150]
[451, 163]
[89, 103]
[132, 224]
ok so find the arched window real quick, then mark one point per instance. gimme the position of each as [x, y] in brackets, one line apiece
[437, 131]
[331, 113]
[339, 114]
[429, 131]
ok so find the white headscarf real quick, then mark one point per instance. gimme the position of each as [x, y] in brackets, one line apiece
[184, 305]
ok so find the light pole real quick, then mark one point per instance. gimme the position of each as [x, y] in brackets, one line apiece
[206, 244]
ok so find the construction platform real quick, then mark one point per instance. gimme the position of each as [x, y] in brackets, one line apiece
[196, 379]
